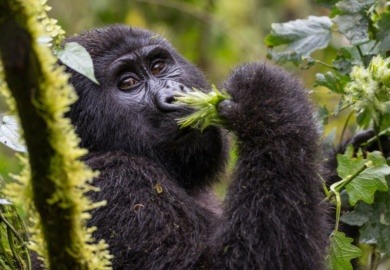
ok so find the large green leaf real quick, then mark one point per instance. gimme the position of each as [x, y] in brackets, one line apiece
[374, 220]
[365, 184]
[377, 229]
[77, 58]
[302, 37]
[341, 252]
[10, 134]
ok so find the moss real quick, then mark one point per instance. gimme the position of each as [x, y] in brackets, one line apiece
[54, 180]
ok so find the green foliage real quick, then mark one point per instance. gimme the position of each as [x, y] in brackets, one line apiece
[360, 75]
[14, 254]
[205, 105]
[77, 58]
[302, 37]
[374, 220]
[342, 251]
[53, 183]
[10, 134]
[366, 183]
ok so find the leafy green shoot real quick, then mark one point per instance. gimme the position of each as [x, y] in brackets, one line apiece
[205, 105]
[342, 252]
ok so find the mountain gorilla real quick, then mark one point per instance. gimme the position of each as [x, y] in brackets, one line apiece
[156, 177]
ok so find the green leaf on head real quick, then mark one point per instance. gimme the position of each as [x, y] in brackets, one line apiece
[77, 58]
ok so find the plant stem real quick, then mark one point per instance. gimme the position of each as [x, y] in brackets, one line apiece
[376, 129]
[9, 225]
[338, 186]
[373, 47]
[360, 52]
[373, 139]
[375, 257]
[345, 127]
[13, 249]
[324, 64]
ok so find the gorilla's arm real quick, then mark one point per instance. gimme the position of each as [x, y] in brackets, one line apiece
[148, 222]
[273, 216]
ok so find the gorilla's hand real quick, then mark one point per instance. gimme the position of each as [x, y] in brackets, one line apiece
[275, 187]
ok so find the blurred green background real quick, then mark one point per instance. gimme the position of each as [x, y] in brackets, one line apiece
[216, 35]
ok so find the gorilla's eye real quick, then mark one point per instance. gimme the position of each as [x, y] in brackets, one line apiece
[158, 67]
[127, 83]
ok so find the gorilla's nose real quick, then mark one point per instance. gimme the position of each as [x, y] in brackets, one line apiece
[165, 97]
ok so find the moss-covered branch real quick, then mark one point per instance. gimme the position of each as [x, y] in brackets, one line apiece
[57, 180]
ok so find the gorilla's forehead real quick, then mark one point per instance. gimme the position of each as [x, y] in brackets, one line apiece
[118, 40]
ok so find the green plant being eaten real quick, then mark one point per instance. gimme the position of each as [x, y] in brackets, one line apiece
[205, 106]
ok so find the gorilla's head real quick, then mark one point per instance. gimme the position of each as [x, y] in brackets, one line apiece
[132, 109]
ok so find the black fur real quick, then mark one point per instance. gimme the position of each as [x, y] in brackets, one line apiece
[156, 177]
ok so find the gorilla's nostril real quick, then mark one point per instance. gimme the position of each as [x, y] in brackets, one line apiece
[181, 87]
[170, 99]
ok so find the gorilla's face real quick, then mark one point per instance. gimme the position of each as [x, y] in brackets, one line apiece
[132, 109]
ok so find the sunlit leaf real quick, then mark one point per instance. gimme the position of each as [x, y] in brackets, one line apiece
[302, 37]
[341, 252]
[10, 134]
[77, 58]
[5, 202]
[364, 185]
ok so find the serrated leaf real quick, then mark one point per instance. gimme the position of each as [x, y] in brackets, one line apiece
[377, 229]
[341, 252]
[354, 27]
[384, 32]
[10, 134]
[346, 59]
[364, 185]
[302, 37]
[332, 81]
[77, 58]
